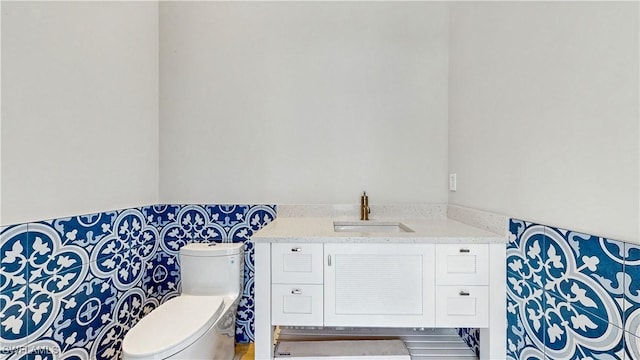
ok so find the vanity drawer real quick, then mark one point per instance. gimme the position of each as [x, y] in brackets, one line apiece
[462, 306]
[296, 305]
[296, 263]
[462, 264]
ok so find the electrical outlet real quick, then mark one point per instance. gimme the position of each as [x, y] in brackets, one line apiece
[452, 182]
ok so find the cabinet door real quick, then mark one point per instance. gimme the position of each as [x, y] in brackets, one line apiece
[379, 285]
[462, 306]
[297, 305]
[296, 263]
[462, 264]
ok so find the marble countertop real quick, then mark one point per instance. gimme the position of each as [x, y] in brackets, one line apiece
[320, 229]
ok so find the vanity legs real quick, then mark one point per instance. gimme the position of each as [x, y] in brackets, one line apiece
[262, 287]
[493, 340]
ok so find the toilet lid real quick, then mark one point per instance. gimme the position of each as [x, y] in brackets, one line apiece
[211, 249]
[172, 326]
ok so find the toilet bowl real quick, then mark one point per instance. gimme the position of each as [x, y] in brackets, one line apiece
[200, 323]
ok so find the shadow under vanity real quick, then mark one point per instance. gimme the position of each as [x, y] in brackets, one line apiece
[407, 269]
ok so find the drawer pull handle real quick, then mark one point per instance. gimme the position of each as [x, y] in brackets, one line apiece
[329, 260]
[464, 293]
[296, 249]
[465, 250]
[296, 291]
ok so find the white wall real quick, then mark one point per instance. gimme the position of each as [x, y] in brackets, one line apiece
[303, 102]
[543, 113]
[1, 222]
[313, 102]
[79, 107]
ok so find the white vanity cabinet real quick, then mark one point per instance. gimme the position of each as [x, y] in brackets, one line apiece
[339, 282]
[378, 285]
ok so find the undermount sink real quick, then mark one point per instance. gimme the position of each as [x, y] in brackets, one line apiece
[370, 226]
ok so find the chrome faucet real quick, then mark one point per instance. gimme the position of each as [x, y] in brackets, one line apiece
[364, 206]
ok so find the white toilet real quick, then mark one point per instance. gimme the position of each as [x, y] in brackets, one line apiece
[200, 323]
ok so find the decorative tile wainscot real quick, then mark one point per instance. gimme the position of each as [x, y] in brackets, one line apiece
[71, 288]
[571, 295]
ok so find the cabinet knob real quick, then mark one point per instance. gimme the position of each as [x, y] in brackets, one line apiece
[296, 249]
[465, 250]
[464, 293]
[296, 291]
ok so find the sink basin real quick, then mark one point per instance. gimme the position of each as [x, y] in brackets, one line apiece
[370, 226]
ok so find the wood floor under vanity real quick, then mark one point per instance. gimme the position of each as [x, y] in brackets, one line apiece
[244, 352]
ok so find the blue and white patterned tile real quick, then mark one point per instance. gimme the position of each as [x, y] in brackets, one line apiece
[141, 304]
[115, 238]
[75, 354]
[4, 350]
[259, 216]
[54, 270]
[240, 221]
[48, 350]
[632, 289]
[530, 353]
[574, 333]
[226, 216]
[525, 331]
[525, 255]
[516, 229]
[239, 230]
[128, 252]
[53, 308]
[122, 254]
[84, 230]
[14, 318]
[471, 337]
[13, 292]
[50, 256]
[256, 217]
[632, 300]
[162, 276]
[108, 344]
[525, 276]
[84, 313]
[204, 227]
[246, 306]
[191, 224]
[178, 232]
[14, 256]
[631, 346]
[161, 215]
[586, 271]
[135, 228]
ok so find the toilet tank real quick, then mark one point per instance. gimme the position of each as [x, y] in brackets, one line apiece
[212, 268]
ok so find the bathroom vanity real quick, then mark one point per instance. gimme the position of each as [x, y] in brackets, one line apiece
[412, 273]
